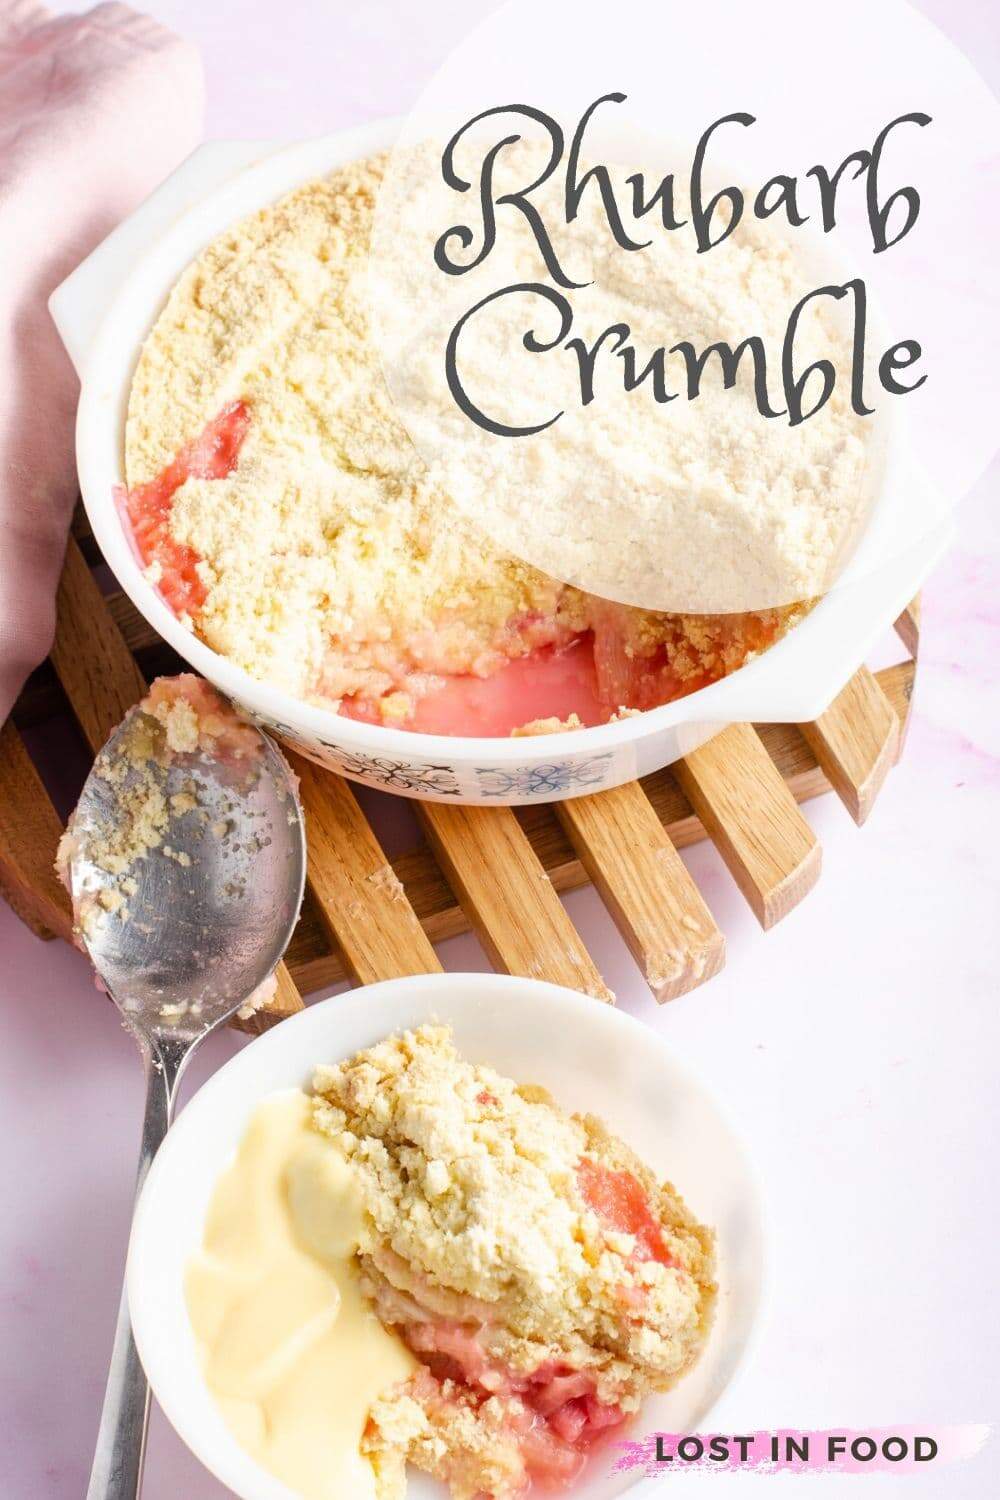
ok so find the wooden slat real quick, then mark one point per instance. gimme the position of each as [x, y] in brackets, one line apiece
[359, 899]
[646, 887]
[96, 668]
[753, 820]
[908, 626]
[856, 741]
[908, 630]
[136, 630]
[316, 959]
[80, 523]
[315, 962]
[507, 896]
[360, 917]
[29, 832]
[102, 682]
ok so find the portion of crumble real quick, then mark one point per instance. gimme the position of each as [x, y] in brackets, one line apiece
[544, 1278]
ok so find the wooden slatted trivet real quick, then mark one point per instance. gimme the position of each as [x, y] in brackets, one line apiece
[495, 870]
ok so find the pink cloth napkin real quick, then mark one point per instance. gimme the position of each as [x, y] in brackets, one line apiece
[95, 110]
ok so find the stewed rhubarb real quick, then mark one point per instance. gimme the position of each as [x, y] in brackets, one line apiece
[213, 454]
[619, 1201]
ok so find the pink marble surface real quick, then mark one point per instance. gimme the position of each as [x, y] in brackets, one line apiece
[856, 1043]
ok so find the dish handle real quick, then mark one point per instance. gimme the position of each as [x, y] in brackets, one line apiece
[79, 303]
[797, 680]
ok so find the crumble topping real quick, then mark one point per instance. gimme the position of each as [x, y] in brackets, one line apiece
[142, 815]
[551, 725]
[544, 1277]
[195, 717]
[688, 499]
[279, 501]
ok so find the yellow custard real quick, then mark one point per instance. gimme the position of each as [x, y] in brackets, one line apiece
[290, 1349]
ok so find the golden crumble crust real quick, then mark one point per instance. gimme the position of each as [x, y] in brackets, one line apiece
[472, 1200]
[332, 563]
[477, 1226]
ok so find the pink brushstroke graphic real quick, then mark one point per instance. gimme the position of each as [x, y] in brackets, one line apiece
[876, 1450]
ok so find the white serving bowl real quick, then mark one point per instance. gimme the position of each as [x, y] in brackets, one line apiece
[105, 310]
[588, 1055]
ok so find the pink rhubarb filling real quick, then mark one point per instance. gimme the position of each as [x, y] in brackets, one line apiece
[221, 731]
[546, 682]
[212, 455]
[619, 1201]
[554, 1417]
[548, 676]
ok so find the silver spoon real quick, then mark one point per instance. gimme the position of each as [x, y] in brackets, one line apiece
[181, 938]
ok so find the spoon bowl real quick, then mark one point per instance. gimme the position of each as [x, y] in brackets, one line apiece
[202, 917]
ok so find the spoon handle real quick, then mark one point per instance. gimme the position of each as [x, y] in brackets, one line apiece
[121, 1437]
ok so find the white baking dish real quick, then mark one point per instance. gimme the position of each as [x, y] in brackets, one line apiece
[104, 312]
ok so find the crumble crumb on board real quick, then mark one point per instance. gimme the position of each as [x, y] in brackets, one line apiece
[178, 716]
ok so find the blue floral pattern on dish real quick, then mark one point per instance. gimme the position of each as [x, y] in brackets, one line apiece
[394, 775]
[544, 779]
